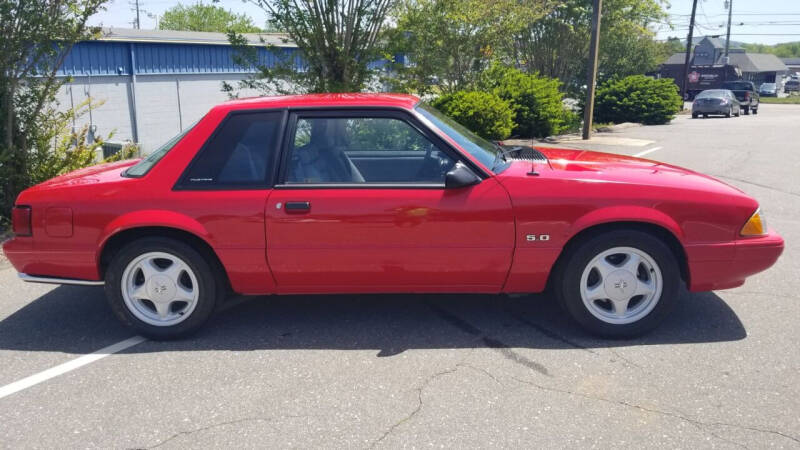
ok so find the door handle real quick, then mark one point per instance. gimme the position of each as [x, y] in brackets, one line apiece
[297, 206]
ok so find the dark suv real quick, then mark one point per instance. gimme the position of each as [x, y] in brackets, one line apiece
[746, 93]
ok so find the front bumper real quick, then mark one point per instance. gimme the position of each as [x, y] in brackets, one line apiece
[727, 265]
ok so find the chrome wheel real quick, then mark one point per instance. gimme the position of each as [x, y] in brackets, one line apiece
[621, 285]
[160, 289]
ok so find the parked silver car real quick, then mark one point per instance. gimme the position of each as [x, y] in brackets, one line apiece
[716, 101]
[768, 90]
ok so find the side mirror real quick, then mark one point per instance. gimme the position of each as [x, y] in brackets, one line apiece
[460, 176]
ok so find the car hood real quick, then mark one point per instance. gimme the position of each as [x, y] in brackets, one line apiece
[597, 167]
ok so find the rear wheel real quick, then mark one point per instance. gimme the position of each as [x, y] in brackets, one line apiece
[161, 288]
[755, 110]
[746, 111]
[618, 284]
[694, 115]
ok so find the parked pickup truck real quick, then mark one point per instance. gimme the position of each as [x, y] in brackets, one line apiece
[746, 93]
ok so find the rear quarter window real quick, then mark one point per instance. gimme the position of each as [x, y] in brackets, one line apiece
[239, 154]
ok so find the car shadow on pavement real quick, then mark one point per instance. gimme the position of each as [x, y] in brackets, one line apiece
[73, 319]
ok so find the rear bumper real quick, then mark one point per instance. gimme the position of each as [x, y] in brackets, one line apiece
[711, 109]
[54, 264]
[727, 265]
[52, 280]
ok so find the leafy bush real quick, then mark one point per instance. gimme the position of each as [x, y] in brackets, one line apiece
[484, 113]
[637, 98]
[55, 148]
[536, 100]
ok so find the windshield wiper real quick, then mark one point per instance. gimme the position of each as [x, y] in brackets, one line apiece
[502, 152]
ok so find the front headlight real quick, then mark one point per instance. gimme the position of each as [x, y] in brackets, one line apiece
[756, 225]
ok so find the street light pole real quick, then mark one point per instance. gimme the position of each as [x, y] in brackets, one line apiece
[688, 50]
[591, 73]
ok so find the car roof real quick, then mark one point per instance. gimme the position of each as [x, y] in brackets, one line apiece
[404, 101]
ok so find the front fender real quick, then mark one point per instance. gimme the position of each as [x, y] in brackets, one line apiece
[625, 213]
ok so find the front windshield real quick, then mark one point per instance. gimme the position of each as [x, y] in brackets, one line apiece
[483, 150]
[142, 167]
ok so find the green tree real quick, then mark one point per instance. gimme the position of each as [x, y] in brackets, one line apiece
[557, 45]
[201, 17]
[37, 35]
[337, 40]
[784, 50]
[448, 43]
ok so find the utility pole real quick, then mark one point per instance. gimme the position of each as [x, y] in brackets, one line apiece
[591, 73]
[138, 23]
[729, 4]
[689, 45]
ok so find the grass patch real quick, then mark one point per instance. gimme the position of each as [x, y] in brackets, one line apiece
[790, 100]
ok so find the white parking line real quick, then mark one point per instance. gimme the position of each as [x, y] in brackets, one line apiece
[650, 150]
[68, 366]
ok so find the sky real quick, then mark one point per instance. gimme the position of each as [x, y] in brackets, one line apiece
[757, 21]
[754, 21]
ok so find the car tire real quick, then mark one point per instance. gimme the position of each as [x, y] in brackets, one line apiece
[694, 115]
[746, 111]
[603, 262]
[162, 288]
[755, 111]
[705, 116]
[738, 112]
[728, 113]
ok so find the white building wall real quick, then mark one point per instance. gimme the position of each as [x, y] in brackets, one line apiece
[164, 103]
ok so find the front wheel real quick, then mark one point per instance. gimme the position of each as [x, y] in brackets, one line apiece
[618, 284]
[161, 288]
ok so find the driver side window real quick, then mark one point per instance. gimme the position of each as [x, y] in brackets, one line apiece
[363, 150]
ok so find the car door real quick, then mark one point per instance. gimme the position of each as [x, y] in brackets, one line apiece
[225, 188]
[361, 206]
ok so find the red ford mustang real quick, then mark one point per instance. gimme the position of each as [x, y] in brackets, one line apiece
[358, 193]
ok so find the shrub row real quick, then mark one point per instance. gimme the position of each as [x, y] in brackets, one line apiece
[509, 102]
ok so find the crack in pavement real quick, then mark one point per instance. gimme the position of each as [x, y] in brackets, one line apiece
[492, 343]
[420, 390]
[699, 424]
[765, 186]
[417, 409]
[219, 424]
[518, 315]
[545, 331]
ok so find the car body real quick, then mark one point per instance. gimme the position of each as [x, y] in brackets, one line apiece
[746, 93]
[380, 193]
[792, 85]
[768, 90]
[716, 101]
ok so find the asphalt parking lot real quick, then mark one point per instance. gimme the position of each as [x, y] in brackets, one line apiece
[437, 371]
